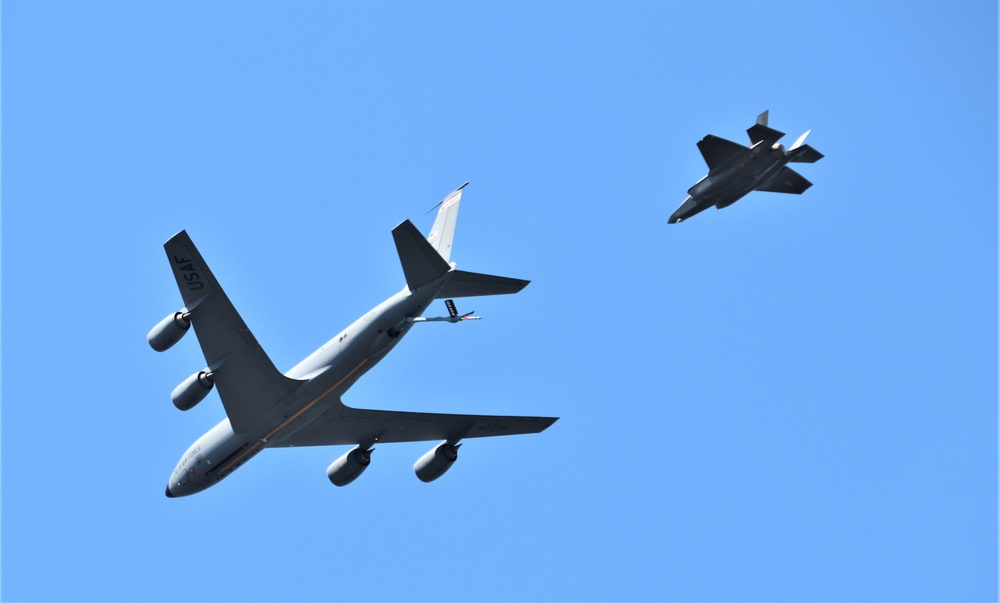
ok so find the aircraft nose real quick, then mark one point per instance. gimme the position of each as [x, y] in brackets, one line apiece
[169, 493]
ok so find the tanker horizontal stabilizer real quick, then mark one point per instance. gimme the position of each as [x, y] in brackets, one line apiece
[472, 284]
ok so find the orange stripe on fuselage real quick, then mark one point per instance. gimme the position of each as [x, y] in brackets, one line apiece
[257, 444]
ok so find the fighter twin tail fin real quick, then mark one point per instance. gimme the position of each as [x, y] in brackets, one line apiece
[760, 132]
[426, 260]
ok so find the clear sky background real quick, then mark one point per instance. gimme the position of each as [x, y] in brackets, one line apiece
[794, 398]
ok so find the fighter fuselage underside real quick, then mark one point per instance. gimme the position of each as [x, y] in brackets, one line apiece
[732, 181]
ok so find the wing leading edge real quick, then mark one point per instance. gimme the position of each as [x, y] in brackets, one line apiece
[343, 425]
[248, 382]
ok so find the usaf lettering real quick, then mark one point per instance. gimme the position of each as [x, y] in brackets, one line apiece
[192, 278]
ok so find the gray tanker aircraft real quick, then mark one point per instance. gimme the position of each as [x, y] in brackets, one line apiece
[268, 409]
[734, 170]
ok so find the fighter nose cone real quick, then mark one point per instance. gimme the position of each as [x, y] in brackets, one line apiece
[169, 493]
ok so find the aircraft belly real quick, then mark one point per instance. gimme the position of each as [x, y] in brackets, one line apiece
[732, 196]
[348, 357]
[325, 390]
[768, 174]
[701, 187]
[724, 187]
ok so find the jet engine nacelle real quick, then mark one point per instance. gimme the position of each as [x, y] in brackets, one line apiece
[193, 390]
[347, 468]
[169, 331]
[438, 460]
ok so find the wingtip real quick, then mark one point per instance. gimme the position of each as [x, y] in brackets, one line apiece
[178, 236]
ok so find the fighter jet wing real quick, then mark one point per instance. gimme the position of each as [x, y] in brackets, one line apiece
[342, 425]
[786, 181]
[718, 151]
[248, 382]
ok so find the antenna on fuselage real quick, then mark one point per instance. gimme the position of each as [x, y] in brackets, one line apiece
[446, 198]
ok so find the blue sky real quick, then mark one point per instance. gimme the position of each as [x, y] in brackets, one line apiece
[794, 398]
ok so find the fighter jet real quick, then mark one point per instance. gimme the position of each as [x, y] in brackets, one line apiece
[302, 407]
[734, 170]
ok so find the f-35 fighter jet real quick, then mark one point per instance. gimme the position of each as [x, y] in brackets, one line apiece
[734, 170]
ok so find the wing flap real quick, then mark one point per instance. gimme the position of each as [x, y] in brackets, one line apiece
[248, 382]
[343, 425]
[718, 151]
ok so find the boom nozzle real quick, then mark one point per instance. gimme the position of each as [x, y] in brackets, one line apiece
[453, 315]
